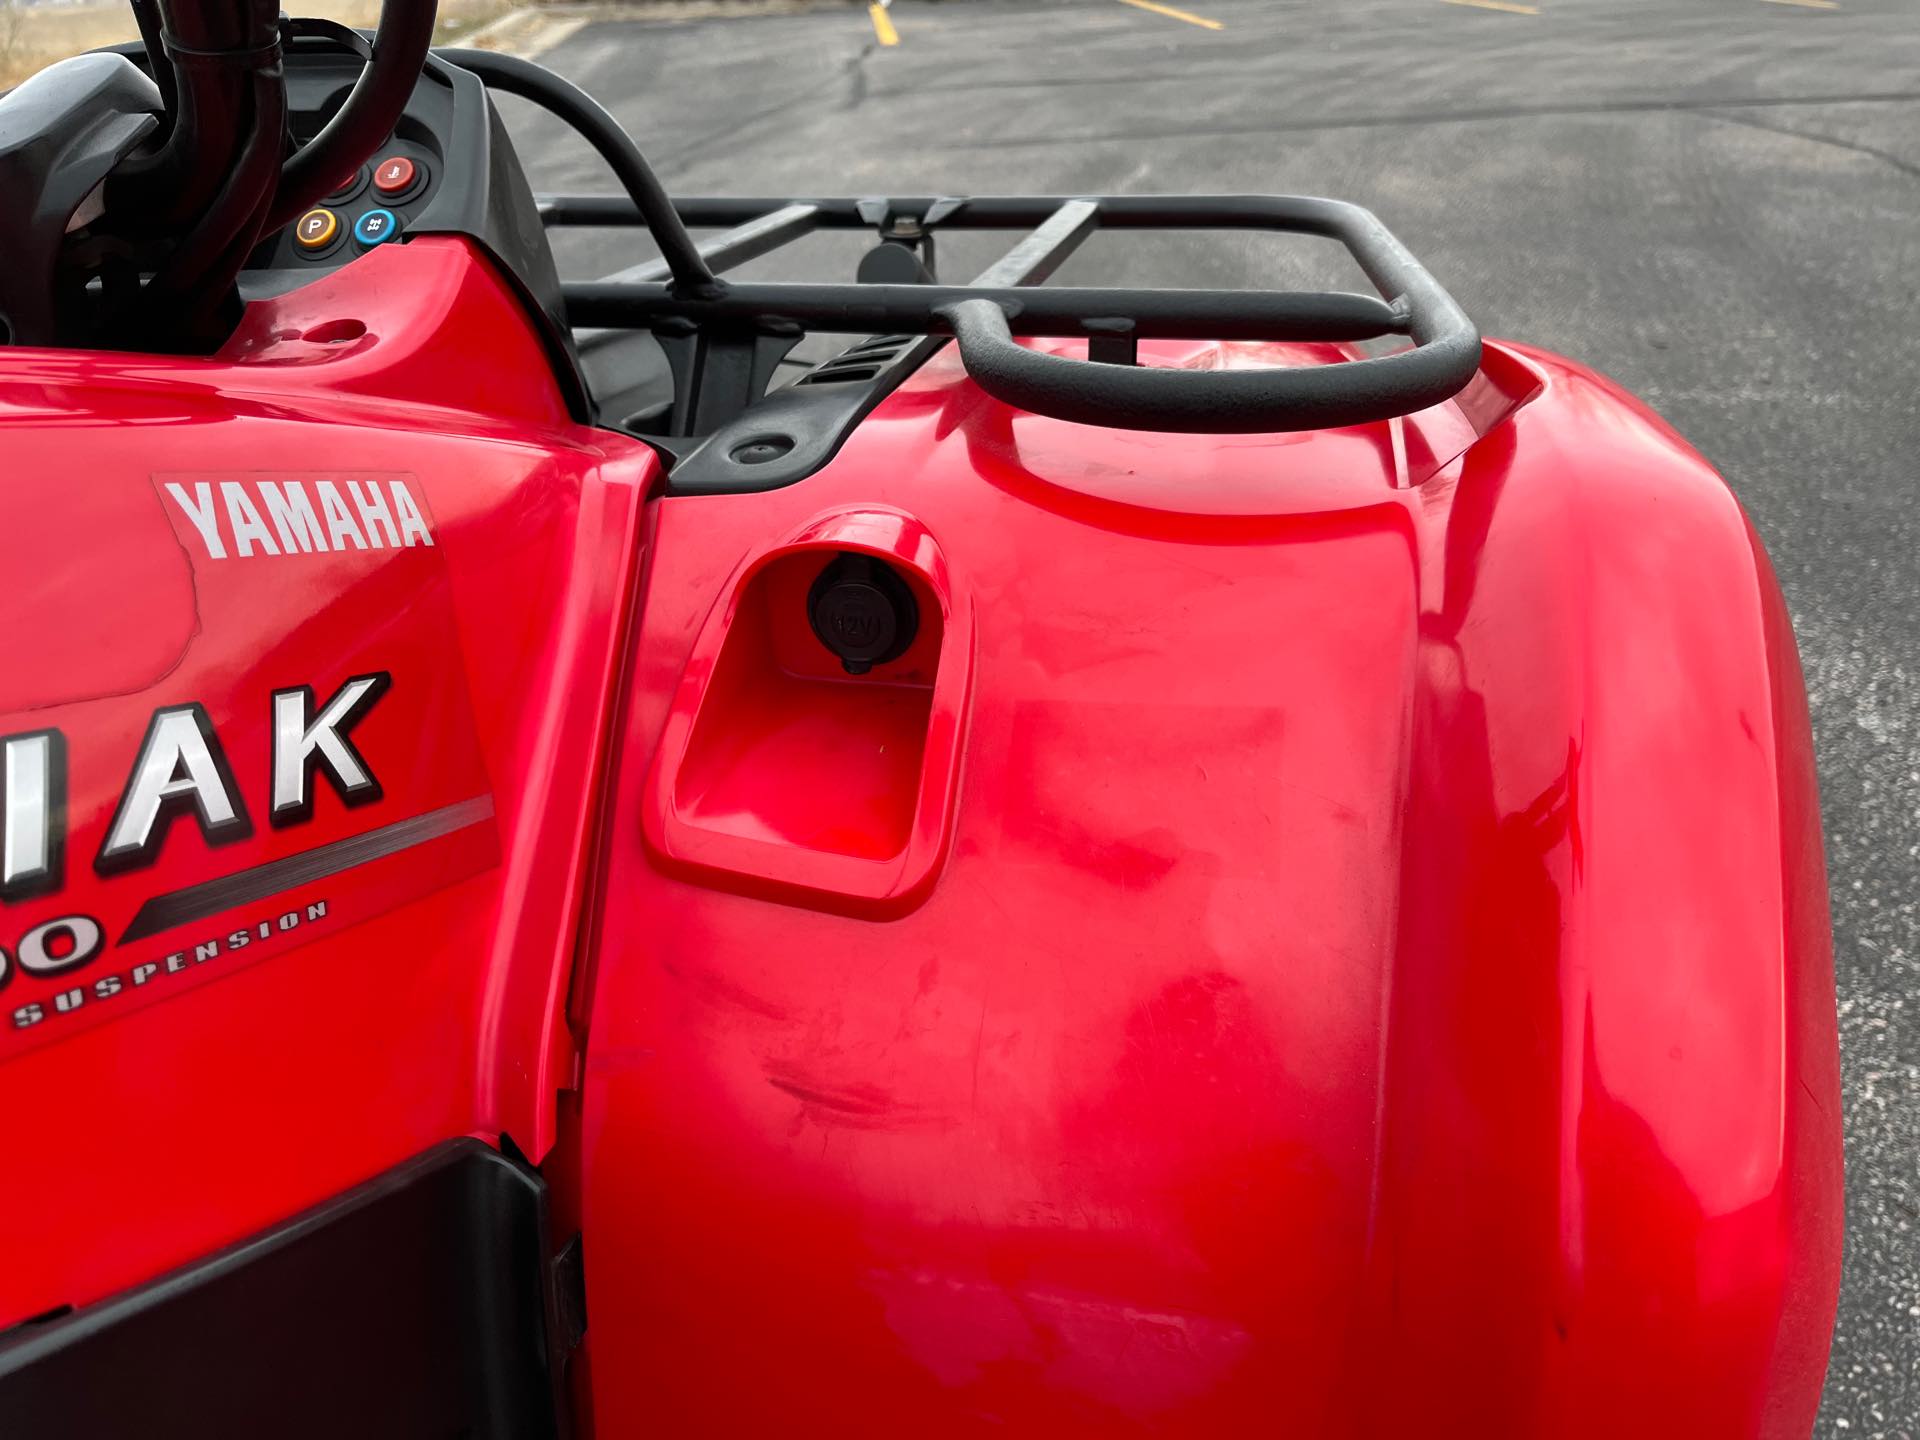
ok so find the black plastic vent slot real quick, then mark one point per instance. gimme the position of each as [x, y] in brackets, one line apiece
[837, 373]
[860, 362]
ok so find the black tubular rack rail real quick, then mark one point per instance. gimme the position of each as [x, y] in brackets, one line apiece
[682, 295]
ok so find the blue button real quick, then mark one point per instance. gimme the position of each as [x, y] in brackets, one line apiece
[376, 227]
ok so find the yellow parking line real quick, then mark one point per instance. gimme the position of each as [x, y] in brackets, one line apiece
[883, 25]
[1807, 4]
[1504, 5]
[1173, 14]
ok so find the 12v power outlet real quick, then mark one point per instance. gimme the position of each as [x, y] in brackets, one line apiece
[863, 612]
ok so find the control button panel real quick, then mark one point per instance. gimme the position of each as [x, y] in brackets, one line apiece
[371, 207]
[316, 231]
[376, 227]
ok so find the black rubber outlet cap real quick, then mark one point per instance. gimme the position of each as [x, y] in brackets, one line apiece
[863, 611]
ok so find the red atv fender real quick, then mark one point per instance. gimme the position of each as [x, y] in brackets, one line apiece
[1317, 933]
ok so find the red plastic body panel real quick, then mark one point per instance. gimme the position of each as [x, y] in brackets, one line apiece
[1321, 934]
[1379, 984]
[214, 1098]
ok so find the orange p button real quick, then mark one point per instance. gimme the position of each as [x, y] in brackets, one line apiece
[316, 229]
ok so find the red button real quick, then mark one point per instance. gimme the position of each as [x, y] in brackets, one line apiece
[348, 186]
[393, 174]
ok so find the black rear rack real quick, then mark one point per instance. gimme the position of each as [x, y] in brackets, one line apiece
[724, 338]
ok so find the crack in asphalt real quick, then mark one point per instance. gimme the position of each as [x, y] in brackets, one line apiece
[1264, 75]
[854, 71]
[1418, 118]
[1905, 167]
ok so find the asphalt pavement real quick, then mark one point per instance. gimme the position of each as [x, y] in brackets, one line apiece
[1717, 202]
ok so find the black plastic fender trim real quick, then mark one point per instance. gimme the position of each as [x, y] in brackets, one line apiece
[420, 1303]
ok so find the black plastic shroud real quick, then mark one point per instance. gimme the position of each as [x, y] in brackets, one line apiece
[424, 1302]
